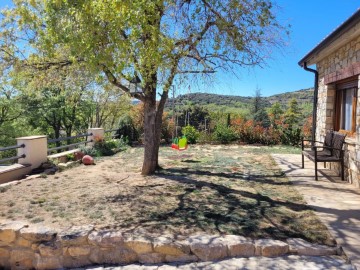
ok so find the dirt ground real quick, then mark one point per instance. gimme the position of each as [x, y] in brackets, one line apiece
[215, 189]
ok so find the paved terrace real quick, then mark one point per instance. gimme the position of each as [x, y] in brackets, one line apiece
[337, 203]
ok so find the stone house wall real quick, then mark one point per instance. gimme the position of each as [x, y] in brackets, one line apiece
[341, 64]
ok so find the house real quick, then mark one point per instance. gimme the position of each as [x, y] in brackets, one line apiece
[337, 95]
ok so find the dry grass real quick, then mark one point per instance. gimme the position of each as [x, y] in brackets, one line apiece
[215, 189]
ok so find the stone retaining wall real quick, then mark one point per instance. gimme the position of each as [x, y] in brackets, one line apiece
[24, 246]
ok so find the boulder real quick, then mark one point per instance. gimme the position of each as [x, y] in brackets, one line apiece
[207, 247]
[302, 247]
[239, 246]
[168, 246]
[270, 248]
[76, 235]
[38, 234]
[87, 160]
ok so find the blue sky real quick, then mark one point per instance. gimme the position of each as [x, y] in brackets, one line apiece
[311, 21]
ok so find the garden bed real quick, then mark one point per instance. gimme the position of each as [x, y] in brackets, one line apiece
[213, 189]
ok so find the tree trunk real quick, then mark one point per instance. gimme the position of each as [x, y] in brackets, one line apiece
[151, 140]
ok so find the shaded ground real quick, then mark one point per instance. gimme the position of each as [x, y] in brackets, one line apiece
[214, 189]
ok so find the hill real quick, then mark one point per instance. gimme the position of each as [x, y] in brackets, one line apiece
[233, 103]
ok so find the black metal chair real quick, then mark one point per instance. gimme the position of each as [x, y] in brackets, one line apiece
[328, 151]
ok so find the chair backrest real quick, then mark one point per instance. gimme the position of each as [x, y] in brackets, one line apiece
[328, 138]
[338, 142]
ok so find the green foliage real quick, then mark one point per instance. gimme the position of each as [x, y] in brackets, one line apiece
[127, 129]
[89, 150]
[70, 157]
[205, 137]
[224, 134]
[191, 134]
[112, 39]
[293, 114]
[291, 136]
[262, 117]
[117, 144]
[196, 116]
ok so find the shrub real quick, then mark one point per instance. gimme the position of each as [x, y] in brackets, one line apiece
[191, 134]
[205, 137]
[291, 136]
[89, 150]
[224, 134]
[70, 157]
[127, 129]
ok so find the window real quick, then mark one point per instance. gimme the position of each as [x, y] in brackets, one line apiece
[345, 107]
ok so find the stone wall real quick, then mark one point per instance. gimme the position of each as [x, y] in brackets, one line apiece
[24, 246]
[341, 64]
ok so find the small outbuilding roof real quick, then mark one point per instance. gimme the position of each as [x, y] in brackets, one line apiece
[334, 40]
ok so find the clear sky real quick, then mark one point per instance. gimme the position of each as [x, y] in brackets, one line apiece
[311, 21]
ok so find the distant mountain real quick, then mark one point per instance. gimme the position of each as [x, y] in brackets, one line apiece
[303, 96]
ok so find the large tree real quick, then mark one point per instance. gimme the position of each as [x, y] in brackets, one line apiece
[157, 40]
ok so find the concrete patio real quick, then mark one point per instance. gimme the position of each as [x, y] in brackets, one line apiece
[337, 203]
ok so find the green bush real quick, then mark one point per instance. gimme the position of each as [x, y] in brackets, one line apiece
[117, 144]
[291, 136]
[127, 129]
[224, 134]
[205, 137]
[89, 150]
[191, 134]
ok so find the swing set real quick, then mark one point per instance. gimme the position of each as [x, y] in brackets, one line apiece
[179, 143]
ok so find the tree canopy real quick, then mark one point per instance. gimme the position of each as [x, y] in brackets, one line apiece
[156, 40]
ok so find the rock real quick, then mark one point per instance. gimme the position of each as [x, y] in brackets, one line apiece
[78, 155]
[96, 256]
[239, 246]
[168, 246]
[33, 176]
[79, 251]
[302, 247]
[151, 258]
[38, 234]
[7, 236]
[22, 258]
[46, 165]
[182, 258]
[270, 248]
[8, 232]
[87, 160]
[207, 247]
[138, 244]
[118, 256]
[106, 238]
[70, 262]
[75, 236]
[44, 263]
[50, 249]
[50, 171]
[4, 253]
[23, 242]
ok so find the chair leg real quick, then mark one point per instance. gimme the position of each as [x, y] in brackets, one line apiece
[324, 164]
[316, 174]
[302, 160]
[342, 170]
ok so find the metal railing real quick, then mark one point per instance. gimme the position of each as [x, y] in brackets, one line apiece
[4, 160]
[67, 146]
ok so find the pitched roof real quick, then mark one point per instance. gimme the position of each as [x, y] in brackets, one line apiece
[331, 38]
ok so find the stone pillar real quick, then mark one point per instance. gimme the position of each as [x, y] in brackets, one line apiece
[97, 134]
[35, 150]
